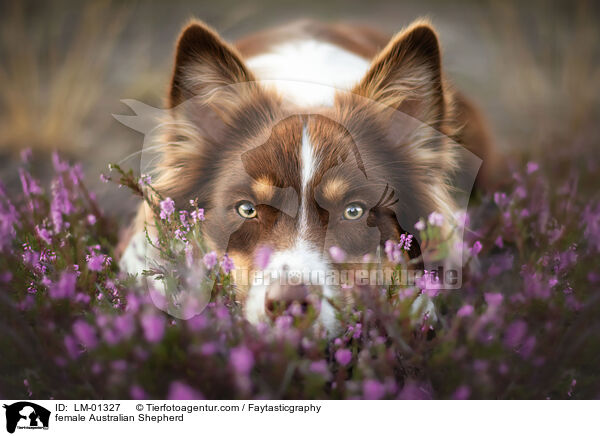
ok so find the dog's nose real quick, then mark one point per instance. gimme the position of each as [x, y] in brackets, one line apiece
[295, 299]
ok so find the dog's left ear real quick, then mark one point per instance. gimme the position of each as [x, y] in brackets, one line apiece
[407, 75]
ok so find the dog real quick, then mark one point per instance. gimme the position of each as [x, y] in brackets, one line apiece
[310, 138]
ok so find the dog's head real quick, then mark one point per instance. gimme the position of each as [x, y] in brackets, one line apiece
[303, 180]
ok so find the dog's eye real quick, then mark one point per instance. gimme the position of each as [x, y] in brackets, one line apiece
[353, 211]
[246, 210]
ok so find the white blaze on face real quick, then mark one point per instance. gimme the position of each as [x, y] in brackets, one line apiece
[308, 164]
[303, 262]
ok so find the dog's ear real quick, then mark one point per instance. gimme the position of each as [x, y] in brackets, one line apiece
[406, 75]
[204, 63]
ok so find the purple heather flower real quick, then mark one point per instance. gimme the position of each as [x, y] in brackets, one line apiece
[119, 365]
[284, 322]
[591, 226]
[180, 234]
[145, 180]
[476, 249]
[242, 359]
[436, 219]
[389, 249]
[167, 207]
[465, 311]
[85, 333]
[197, 215]
[480, 365]
[393, 250]
[91, 219]
[210, 260]
[43, 234]
[413, 391]
[95, 262]
[26, 155]
[343, 356]
[71, 346]
[76, 175]
[183, 217]
[493, 298]
[420, 225]
[573, 384]
[262, 256]
[153, 326]
[208, 349]
[227, 264]
[136, 392]
[462, 218]
[82, 298]
[29, 184]
[125, 325]
[337, 254]
[197, 323]
[57, 219]
[60, 197]
[500, 199]
[65, 287]
[515, 333]
[532, 167]
[59, 166]
[463, 392]
[103, 178]
[408, 242]
[96, 368]
[373, 390]
[61, 204]
[181, 391]
[319, 367]
[6, 277]
[528, 347]
[31, 257]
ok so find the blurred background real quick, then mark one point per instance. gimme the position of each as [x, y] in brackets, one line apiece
[65, 65]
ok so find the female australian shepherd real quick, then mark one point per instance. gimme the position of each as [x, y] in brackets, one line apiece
[310, 137]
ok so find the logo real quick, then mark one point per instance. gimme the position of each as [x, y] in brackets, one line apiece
[26, 415]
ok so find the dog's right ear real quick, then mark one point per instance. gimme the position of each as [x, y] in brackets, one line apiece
[203, 63]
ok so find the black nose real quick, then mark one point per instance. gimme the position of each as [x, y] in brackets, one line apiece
[296, 299]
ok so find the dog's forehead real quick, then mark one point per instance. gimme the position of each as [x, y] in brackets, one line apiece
[274, 157]
[311, 144]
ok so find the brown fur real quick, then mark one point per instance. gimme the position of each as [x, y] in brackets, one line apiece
[228, 143]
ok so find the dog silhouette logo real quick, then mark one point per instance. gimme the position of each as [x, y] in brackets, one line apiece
[26, 415]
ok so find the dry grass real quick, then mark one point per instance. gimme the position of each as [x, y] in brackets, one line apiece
[548, 72]
[53, 67]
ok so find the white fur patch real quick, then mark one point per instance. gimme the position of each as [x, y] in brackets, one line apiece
[308, 159]
[308, 72]
[134, 259]
[302, 264]
[308, 168]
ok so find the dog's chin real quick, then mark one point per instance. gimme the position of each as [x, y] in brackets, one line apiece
[325, 322]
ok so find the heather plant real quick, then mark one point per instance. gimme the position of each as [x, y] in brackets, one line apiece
[523, 325]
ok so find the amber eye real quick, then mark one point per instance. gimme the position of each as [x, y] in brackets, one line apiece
[246, 210]
[353, 211]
